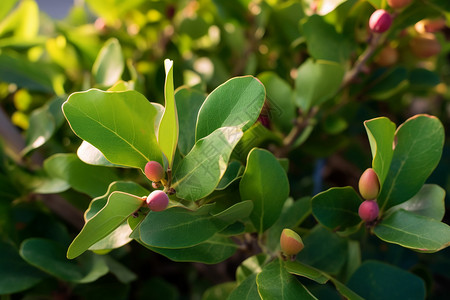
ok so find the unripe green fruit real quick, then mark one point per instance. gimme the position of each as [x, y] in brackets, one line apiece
[154, 171]
[157, 200]
[368, 210]
[369, 185]
[398, 3]
[290, 242]
[380, 21]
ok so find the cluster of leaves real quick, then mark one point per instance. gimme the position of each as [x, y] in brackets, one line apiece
[246, 155]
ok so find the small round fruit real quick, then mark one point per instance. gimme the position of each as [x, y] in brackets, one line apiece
[380, 21]
[369, 185]
[425, 45]
[290, 242]
[157, 200]
[429, 25]
[154, 171]
[398, 3]
[368, 210]
[388, 56]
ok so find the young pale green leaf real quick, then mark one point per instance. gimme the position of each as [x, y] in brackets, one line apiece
[49, 256]
[275, 283]
[337, 208]
[317, 82]
[92, 180]
[119, 124]
[246, 290]
[15, 274]
[380, 132]
[199, 173]
[419, 148]
[92, 156]
[212, 251]
[252, 265]
[265, 183]
[386, 282]
[109, 65]
[236, 102]
[168, 128]
[188, 228]
[119, 206]
[414, 231]
[428, 202]
[189, 102]
[300, 269]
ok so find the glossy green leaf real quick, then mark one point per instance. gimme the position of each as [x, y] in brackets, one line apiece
[317, 82]
[5, 8]
[49, 256]
[88, 154]
[428, 202]
[423, 79]
[247, 290]
[168, 128]
[292, 215]
[200, 171]
[414, 231]
[219, 292]
[337, 208]
[252, 265]
[419, 147]
[92, 180]
[119, 206]
[212, 251]
[275, 283]
[386, 282]
[380, 132]
[15, 274]
[329, 256]
[265, 183]
[300, 269]
[116, 239]
[119, 124]
[324, 42]
[280, 97]
[236, 102]
[188, 228]
[234, 170]
[188, 103]
[109, 65]
[385, 83]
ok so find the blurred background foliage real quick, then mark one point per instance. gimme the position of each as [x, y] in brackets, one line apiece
[99, 42]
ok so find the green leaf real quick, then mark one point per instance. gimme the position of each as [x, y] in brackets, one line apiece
[236, 102]
[119, 206]
[428, 202]
[292, 215]
[265, 183]
[386, 282]
[7, 5]
[188, 228]
[247, 290]
[168, 128]
[212, 251]
[116, 239]
[92, 180]
[233, 172]
[317, 82]
[15, 274]
[274, 282]
[198, 174]
[324, 42]
[109, 65]
[88, 154]
[280, 97]
[329, 256]
[380, 132]
[119, 124]
[414, 231]
[419, 148]
[337, 208]
[385, 83]
[300, 269]
[188, 102]
[219, 292]
[49, 256]
[122, 273]
[250, 266]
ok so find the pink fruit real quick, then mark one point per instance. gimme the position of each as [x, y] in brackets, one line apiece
[290, 242]
[369, 185]
[380, 21]
[368, 210]
[154, 171]
[157, 200]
